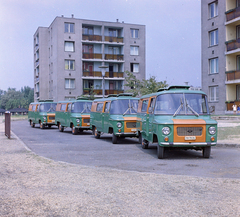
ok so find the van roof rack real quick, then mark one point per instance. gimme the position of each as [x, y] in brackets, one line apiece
[174, 87]
[83, 98]
[112, 95]
[125, 94]
[45, 100]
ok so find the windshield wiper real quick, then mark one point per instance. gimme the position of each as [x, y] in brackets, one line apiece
[179, 108]
[192, 110]
[85, 109]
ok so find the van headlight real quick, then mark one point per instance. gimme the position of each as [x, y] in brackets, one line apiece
[77, 120]
[119, 124]
[212, 130]
[165, 130]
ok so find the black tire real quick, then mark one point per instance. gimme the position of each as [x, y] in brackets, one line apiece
[49, 126]
[32, 124]
[60, 127]
[206, 152]
[144, 144]
[96, 133]
[74, 130]
[42, 126]
[114, 139]
[140, 138]
[160, 152]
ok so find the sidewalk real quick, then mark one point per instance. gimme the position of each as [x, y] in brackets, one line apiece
[36, 186]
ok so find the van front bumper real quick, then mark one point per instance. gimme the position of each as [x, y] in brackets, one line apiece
[188, 144]
[127, 134]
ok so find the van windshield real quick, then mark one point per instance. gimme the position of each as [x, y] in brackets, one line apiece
[181, 104]
[81, 107]
[48, 107]
[124, 106]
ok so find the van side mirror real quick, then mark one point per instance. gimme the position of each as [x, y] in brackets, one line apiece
[212, 109]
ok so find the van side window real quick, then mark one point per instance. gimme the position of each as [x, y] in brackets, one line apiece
[107, 106]
[99, 107]
[33, 107]
[38, 107]
[69, 107]
[144, 105]
[63, 107]
[151, 107]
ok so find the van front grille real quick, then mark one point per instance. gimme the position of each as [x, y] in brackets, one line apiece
[86, 121]
[131, 124]
[189, 131]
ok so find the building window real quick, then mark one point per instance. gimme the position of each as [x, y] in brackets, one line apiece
[213, 66]
[134, 67]
[69, 83]
[213, 37]
[69, 64]
[213, 94]
[69, 46]
[134, 50]
[87, 30]
[213, 9]
[69, 27]
[134, 33]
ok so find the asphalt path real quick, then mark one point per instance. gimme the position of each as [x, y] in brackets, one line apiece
[85, 149]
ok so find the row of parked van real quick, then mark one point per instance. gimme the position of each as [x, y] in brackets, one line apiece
[174, 117]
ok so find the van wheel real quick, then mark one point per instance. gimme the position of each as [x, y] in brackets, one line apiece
[96, 133]
[140, 138]
[160, 152]
[32, 124]
[49, 126]
[206, 152]
[114, 139]
[145, 144]
[60, 127]
[42, 126]
[74, 130]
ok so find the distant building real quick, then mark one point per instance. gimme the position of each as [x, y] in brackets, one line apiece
[221, 53]
[68, 53]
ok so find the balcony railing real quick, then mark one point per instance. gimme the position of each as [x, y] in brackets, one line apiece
[99, 92]
[231, 103]
[114, 39]
[92, 37]
[113, 57]
[92, 56]
[233, 44]
[114, 74]
[99, 74]
[92, 74]
[232, 14]
[233, 75]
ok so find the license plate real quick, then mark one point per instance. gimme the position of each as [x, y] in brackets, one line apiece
[190, 137]
[133, 130]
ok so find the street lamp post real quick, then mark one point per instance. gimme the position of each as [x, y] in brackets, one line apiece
[103, 68]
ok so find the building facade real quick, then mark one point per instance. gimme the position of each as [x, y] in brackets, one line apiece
[220, 22]
[68, 56]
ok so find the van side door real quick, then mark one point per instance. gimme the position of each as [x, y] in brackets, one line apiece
[105, 117]
[68, 114]
[98, 116]
[150, 119]
[144, 116]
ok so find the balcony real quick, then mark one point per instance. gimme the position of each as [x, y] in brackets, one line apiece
[232, 14]
[92, 74]
[114, 39]
[114, 75]
[92, 56]
[91, 37]
[99, 74]
[233, 75]
[233, 44]
[113, 57]
[99, 92]
[230, 104]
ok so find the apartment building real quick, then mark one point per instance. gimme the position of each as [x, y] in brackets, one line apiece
[221, 53]
[68, 56]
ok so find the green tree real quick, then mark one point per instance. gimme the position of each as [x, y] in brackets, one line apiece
[146, 86]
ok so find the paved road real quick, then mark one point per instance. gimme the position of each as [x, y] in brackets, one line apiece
[128, 155]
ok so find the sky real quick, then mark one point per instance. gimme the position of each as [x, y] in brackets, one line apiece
[173, 34]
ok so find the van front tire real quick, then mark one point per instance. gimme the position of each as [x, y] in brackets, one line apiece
[114, 139]
[206, 152]
[160, 152]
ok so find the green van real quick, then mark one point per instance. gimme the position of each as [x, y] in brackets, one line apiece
[42, 112]
[176, 117]
[116, 114]
[74, 114]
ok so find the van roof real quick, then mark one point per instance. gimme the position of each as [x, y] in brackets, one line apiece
[75, 100]
[173, 89]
